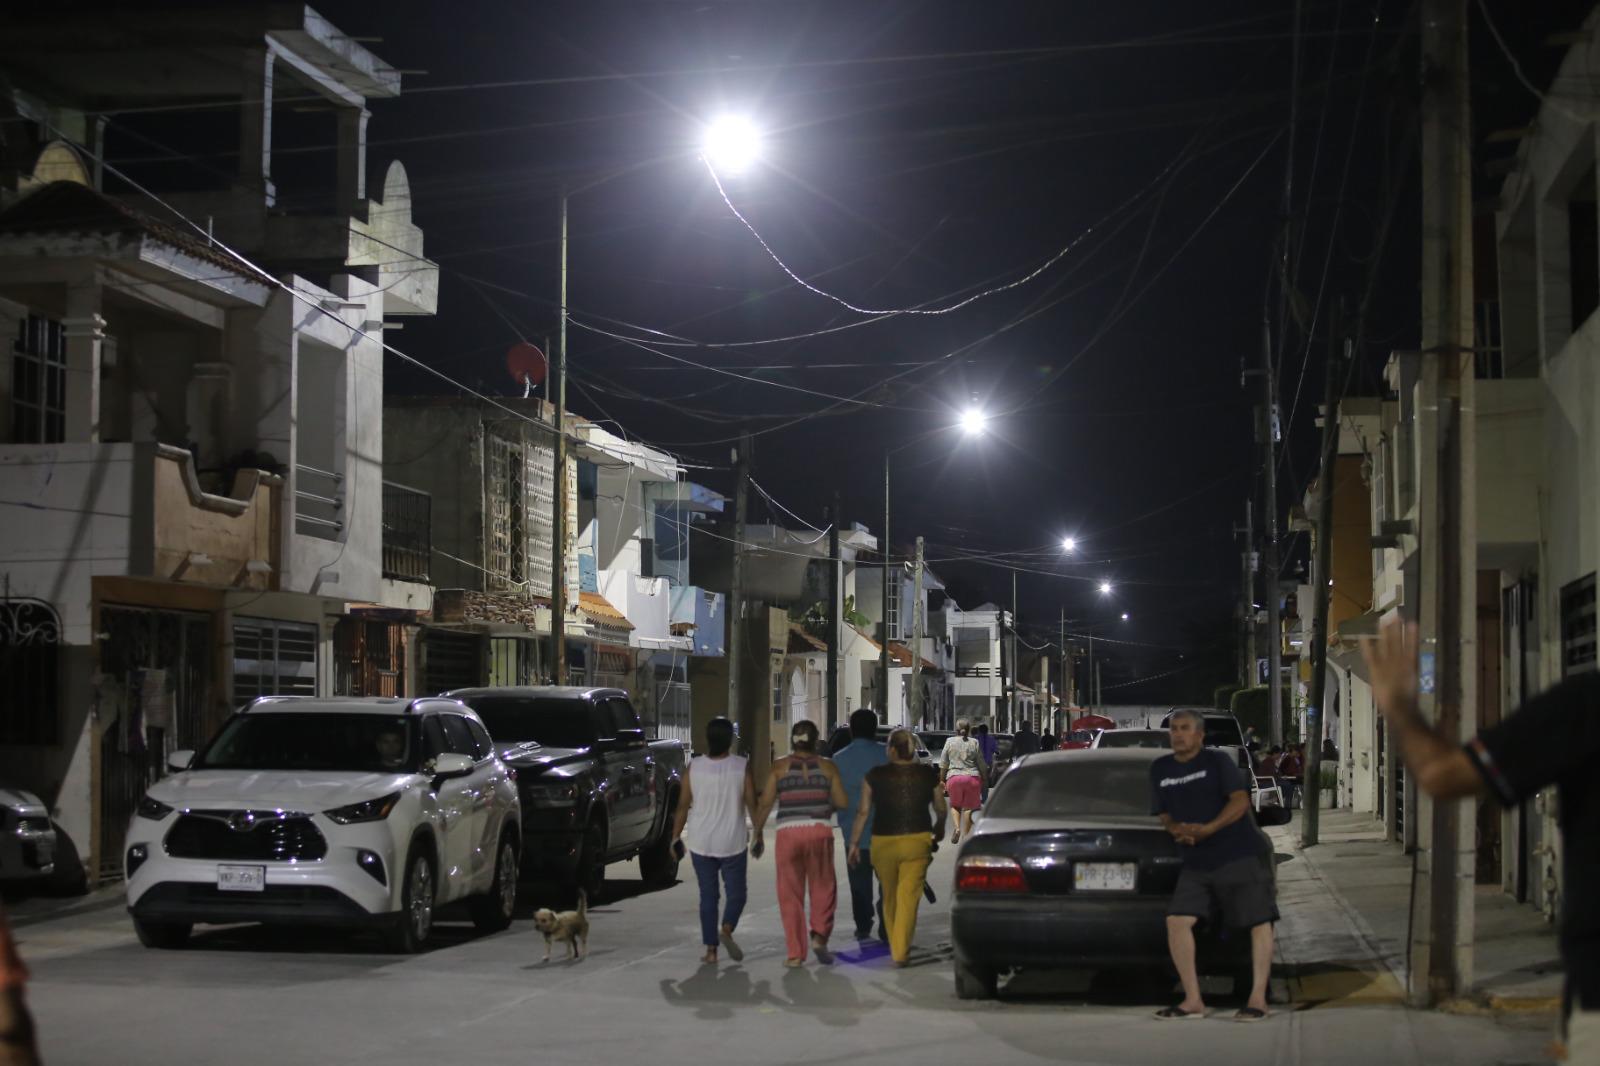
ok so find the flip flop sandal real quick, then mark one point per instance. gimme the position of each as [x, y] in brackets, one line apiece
[735, 952]
[1250, 1014]
[1176, 1013]
[822, 953]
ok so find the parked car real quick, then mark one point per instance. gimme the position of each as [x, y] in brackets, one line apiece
[1132, 738]
[27, 839]
[1079, 739]
[934, 741]
[1221, 726]
[1067, 868]
[924, 755]
[349, 812]
[594, 790]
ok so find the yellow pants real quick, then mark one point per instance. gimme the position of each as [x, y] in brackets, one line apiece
[901, 863]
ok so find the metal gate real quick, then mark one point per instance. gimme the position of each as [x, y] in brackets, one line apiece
[156, 671]
[449, 660]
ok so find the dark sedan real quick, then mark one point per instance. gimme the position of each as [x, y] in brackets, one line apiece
[1067, 869]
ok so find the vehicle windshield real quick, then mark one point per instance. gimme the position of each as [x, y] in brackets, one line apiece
[1135, 738]
[934, 742]
[364, 743]
[555, 723]
[1072, 788]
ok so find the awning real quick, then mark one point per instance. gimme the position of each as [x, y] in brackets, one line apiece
[599, 609]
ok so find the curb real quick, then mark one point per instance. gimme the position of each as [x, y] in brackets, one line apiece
[23, 920]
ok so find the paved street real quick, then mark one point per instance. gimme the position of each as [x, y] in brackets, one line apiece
[248, 996]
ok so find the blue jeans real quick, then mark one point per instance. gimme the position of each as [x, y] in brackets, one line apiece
[861, 886]
[732, 871]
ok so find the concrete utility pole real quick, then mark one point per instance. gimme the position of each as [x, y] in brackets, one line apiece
[741, 502]
[1016, 672]
[1443, 897]
[1094, 676]
[558, 519]
[1269, 461]
[1247, 590]
[835, 579]
[916, 645]
[1321, 574]
[1066, 675]
[883, 608]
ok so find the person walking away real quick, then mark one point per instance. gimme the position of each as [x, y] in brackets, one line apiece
[806, 790]
[1291, 769]
[854, 761]
[718, 793]
[896, 798]
[1204, 802]
[1554, 739]
[1025, 741]
[961, 772]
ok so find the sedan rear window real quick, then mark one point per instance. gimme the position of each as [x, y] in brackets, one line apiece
[1075, 788]
[1135, 738]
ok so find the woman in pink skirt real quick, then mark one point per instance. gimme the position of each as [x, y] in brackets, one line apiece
[961, 772]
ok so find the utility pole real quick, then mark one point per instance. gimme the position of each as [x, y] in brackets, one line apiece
[1066, 676]
[883, 608]
[741, 501]
[1247, 590]
[1016, 672]
[1443, 897]
[916, 645]
[558, 520]
[1321, 574]
[835, 579]
[1269, 465]
[1094, 677]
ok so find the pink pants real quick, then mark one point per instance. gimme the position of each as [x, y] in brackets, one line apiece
[805, 858]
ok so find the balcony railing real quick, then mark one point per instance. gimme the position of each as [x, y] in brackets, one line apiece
[407, 533]
[319, 502]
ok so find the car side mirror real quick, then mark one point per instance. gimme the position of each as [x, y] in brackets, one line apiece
[1274, 815]
[450, 764]
[180, 760]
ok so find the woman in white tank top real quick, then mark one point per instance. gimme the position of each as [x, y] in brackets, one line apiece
[711, 822]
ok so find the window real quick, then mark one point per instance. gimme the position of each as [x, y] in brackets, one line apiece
[1578, 626]
[480, 739]
[39, 382]
[777, 696]
[273, 659]
[457, 737]
[30, 634]
[891, 610]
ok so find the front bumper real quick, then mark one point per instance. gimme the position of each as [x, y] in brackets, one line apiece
[1058, 932]
[27, 855]
[193, 902]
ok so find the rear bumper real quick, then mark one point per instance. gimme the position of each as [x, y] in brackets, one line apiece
[187, 902]
[1059, 932]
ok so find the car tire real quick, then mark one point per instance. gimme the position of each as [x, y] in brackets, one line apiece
[418, 896]
[167, 936]
[493, 911]
[976, 982]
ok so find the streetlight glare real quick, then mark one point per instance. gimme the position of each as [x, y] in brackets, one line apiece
[1105, 588]
[973, 421]
[1124, 616]
[1069, 544]
[732, 144]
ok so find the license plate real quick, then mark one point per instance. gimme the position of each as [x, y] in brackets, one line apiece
[1104, 876]
[241, 878]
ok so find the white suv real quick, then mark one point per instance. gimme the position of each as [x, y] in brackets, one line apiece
[345, 812]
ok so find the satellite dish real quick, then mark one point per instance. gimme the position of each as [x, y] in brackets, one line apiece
[526, 364]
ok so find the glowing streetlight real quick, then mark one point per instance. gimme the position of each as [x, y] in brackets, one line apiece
[974, 421]
[1069, 544]
[1124, 616]
[1105, 588]
[731, 144]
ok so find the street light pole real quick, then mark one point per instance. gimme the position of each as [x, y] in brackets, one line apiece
[558, 519]
[883, 609]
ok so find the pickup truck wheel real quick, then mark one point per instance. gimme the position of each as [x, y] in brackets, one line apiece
[657, 863]
[492, 911]
[975, 982]
[591, 873]
[166, 935]
[414, 924]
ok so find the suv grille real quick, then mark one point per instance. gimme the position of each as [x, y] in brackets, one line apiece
[263, 836]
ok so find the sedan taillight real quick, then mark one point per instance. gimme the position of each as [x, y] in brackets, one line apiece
[989, 873]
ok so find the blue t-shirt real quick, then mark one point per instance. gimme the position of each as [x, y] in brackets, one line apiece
[1196, 791]
[853, 761]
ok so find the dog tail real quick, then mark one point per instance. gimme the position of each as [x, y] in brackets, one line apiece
[583, 904]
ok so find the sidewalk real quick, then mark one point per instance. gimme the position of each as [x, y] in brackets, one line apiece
[1352, 946]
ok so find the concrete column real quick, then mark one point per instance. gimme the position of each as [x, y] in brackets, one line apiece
[85, 333]
[255, 123]
[351, 178]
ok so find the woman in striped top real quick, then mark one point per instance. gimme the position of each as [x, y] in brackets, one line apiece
[806, 789]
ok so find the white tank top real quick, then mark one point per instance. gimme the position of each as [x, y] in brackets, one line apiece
[716, 825]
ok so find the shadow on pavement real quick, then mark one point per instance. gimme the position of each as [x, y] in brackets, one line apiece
[715, 993]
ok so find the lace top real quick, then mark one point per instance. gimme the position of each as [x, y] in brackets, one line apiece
[902, 798]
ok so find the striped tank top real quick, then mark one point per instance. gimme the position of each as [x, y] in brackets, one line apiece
[804, 794]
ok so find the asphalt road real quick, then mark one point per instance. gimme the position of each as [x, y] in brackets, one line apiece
[246, 996]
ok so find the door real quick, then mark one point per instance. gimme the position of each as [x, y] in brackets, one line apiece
[633, 772]
[457, 801]
[493, 777]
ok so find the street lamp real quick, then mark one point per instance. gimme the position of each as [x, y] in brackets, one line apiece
[731, 144]
[1124, 616]
[1105, 588]
[1069, 544]
[971, 423]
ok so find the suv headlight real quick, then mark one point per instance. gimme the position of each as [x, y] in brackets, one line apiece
[152, 809]
[372, 810]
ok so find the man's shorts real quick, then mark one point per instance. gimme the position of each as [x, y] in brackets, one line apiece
[1242, 891]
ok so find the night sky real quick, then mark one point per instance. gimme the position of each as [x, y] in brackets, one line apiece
[916, 153]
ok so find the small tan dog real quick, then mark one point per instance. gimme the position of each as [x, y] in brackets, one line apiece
[570, 926]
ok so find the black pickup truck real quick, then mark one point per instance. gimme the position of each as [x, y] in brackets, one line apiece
[594, 789]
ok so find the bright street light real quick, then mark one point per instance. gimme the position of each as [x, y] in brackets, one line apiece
[1124, 616]
[731, 144]
[973, 421]
[1105, 588]
[1068, 544]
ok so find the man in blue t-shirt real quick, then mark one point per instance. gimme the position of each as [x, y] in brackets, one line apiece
[1204, 802]
[854, 760]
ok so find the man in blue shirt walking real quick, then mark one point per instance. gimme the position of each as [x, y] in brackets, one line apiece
[853, 761]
